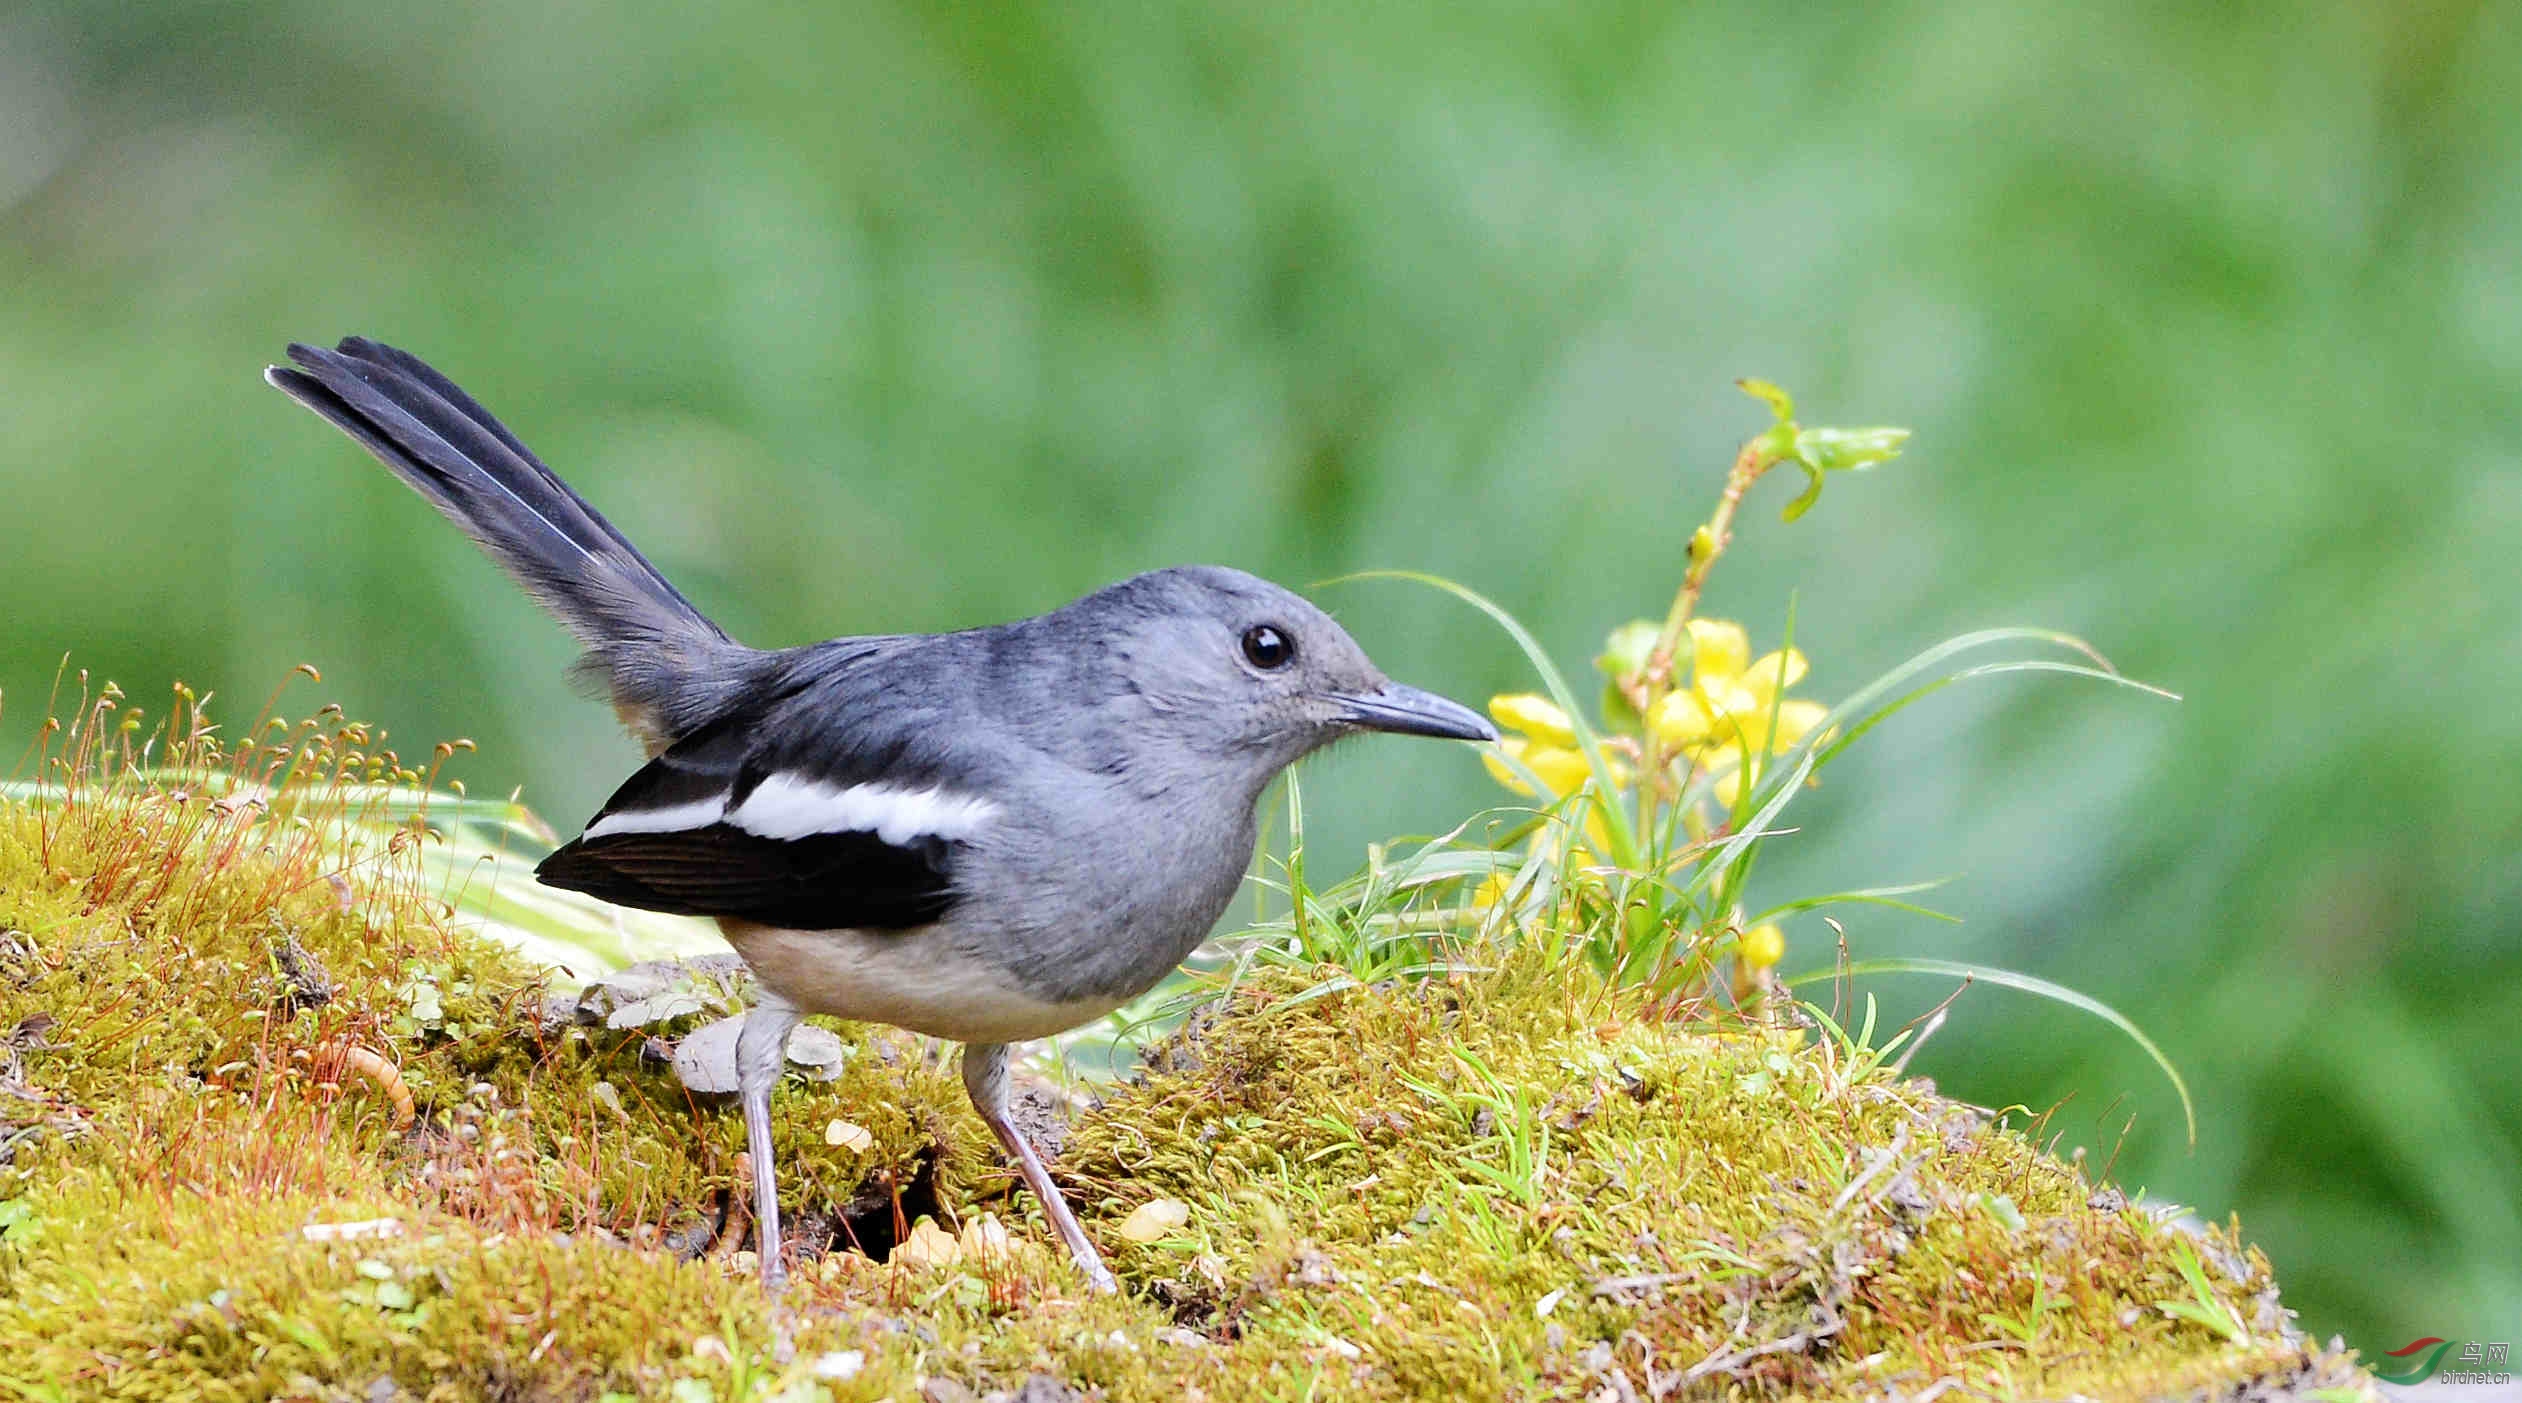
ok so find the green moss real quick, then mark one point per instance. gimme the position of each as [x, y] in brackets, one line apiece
[1679, 1200]
[1517, 1184]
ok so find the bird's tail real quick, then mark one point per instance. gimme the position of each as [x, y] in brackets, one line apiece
[667, 667]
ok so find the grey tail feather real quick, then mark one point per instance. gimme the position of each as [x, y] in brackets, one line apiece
[668, 669]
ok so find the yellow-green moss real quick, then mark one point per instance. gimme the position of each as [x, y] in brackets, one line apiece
[1517, 1184]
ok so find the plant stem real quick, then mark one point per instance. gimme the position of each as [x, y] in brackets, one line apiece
[1758, 455]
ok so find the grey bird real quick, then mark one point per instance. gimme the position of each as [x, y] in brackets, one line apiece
[988, 836]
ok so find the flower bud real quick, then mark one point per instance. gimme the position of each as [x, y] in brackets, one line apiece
[1763, 945]
[1626, 650]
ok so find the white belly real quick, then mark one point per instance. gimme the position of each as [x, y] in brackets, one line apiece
[909, 979]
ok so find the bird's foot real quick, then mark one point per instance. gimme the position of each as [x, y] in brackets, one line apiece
[985, 1076]
[1099, 1278]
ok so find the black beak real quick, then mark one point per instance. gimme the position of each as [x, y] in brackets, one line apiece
[1411, 712]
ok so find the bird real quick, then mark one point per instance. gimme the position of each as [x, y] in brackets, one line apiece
[987, 836]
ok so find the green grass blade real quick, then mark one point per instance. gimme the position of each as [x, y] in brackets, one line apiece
[1920, 663]
[1910, 698]
[1865, 896]
[1772, 794]
[2029, 984]
[1862, 710]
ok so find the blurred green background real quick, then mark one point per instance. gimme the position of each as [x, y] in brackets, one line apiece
[2209, 320]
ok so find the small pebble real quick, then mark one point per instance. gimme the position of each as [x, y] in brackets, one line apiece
[1155, 1220]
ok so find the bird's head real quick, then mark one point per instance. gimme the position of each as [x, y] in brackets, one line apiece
[1250, 674]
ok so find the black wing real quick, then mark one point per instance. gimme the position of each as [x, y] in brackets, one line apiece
[826, 881]
[671, 838]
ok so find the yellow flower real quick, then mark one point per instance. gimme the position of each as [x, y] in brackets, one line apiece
[1773, 728]
[1560, 769]
[1734, 703]
[1729, 714]
[1739, 706]
[1718, 648]
[1534, 715]
[1763, 945]
[1681, 720]
[1547, 748]
[1775, 672]
[1729, 787]
[1795, 720]
[1491, 891]
[1494, 760]
[1733, 707]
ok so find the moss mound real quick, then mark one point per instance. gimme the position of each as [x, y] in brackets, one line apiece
[269, 1129]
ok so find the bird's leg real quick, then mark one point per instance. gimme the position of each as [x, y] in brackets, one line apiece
[761, 1050]
[985, 1077]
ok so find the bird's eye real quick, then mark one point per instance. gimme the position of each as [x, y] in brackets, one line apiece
[1266, 647]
